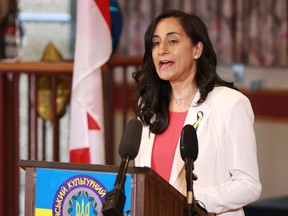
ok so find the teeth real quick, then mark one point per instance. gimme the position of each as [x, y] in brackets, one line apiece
[164, 62]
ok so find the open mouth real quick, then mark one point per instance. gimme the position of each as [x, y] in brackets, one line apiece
[165, 63]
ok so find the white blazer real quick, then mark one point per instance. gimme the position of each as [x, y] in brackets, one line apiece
[226, 166]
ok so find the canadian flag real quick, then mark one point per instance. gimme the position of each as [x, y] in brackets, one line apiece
[93, 48]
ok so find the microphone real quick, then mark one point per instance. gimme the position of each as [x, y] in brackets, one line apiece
[128, 150]
[189, 153]
[189, 143]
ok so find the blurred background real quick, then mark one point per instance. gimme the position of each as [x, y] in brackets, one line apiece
[251, 42]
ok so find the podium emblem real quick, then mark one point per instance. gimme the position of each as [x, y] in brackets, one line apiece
[80, 195]
[74, 192]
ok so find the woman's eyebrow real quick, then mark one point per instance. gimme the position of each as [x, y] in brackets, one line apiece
[169, 33]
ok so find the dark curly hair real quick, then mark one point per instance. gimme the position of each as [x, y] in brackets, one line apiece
[152, 95]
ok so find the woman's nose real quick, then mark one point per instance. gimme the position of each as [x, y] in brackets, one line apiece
[163, 49]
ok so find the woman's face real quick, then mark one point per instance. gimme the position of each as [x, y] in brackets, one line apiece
[173, 52]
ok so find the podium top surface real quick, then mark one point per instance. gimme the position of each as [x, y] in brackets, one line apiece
[24, 164]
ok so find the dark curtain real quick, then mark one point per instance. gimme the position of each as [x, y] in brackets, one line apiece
[253, 32]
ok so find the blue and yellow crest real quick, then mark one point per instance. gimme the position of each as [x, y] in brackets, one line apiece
[80, 195]
[74, 193]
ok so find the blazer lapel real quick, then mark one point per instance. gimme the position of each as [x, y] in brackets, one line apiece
[146, 147]
[196, 116]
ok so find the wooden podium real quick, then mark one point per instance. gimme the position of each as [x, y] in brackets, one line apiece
[149, 194]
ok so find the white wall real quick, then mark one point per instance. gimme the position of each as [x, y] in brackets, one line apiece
[272, 144]
[274, 78]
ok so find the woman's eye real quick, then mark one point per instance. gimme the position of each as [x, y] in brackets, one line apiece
[155, 43]
[173, 41]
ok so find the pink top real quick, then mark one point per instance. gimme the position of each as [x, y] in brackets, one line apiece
[165, 145]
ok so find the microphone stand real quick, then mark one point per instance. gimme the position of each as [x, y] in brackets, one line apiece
[115, 199]
[191, 204]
